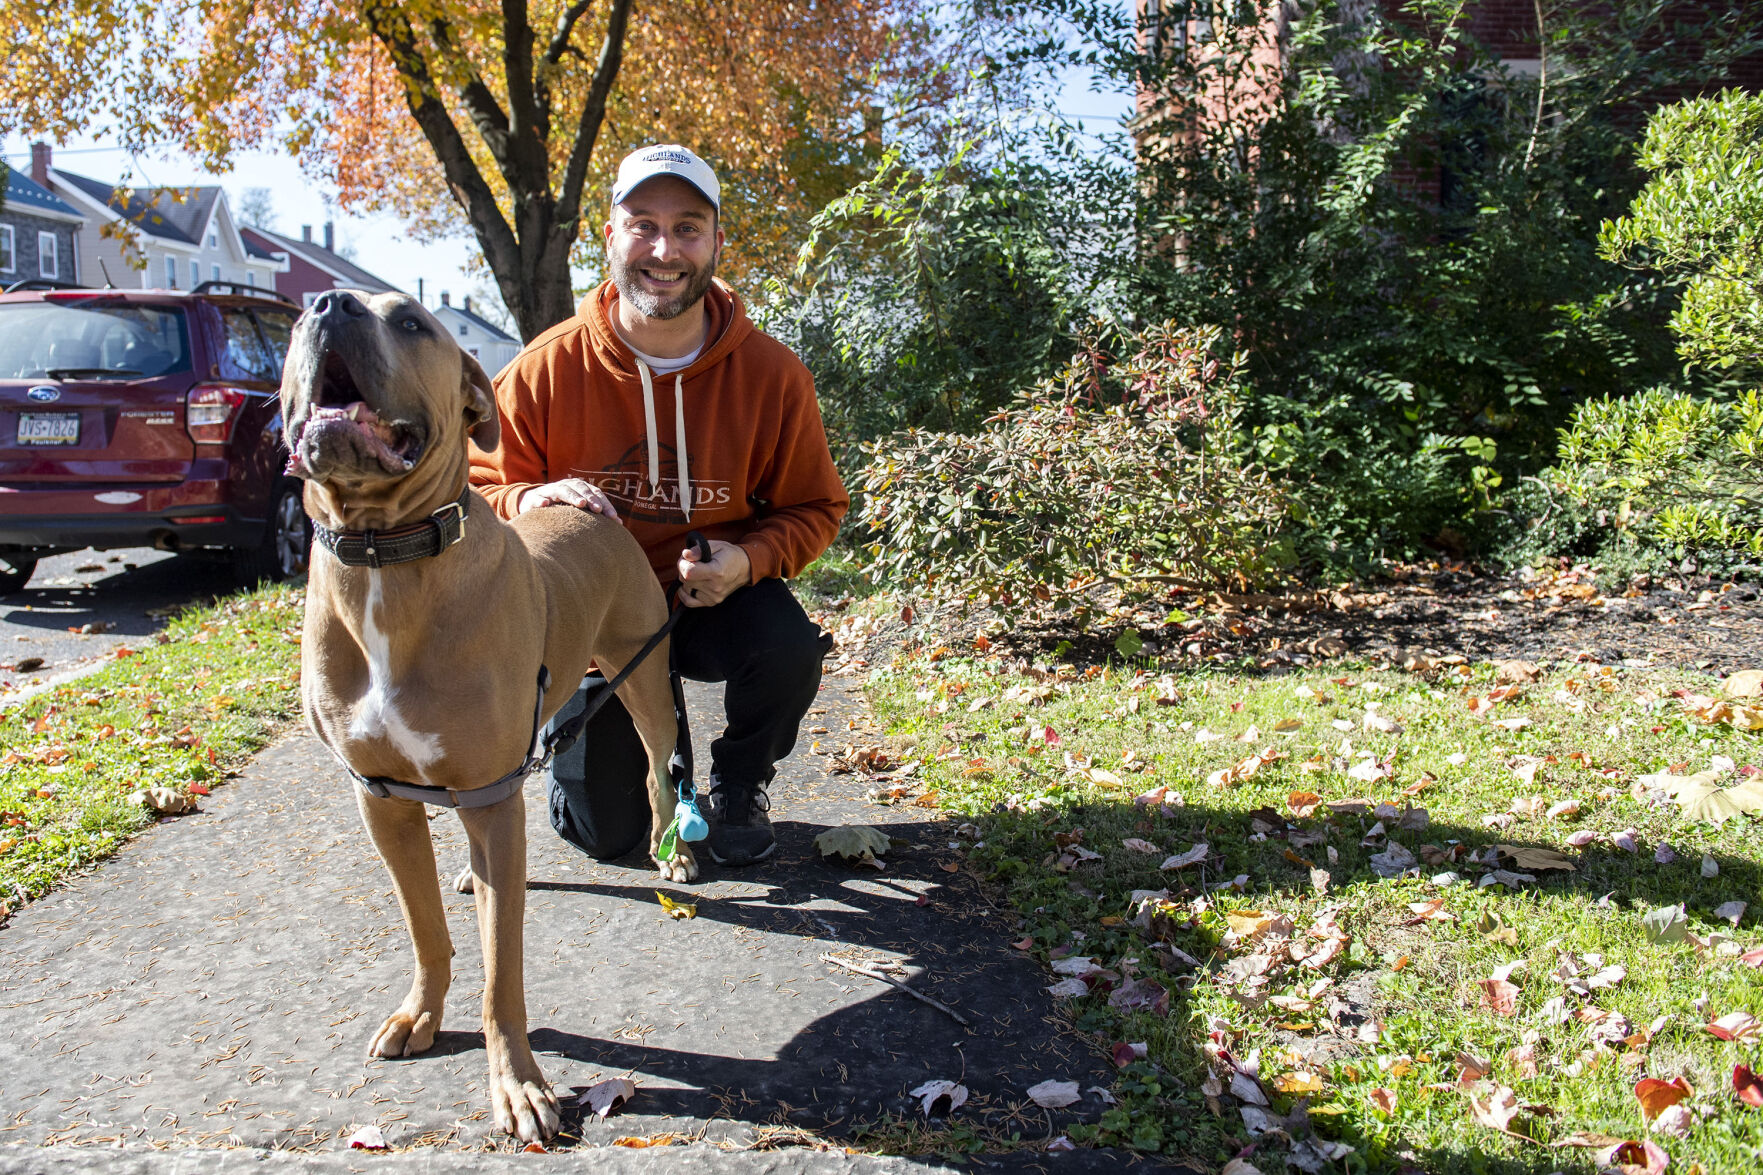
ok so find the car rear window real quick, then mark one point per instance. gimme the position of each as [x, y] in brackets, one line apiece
[91, 339]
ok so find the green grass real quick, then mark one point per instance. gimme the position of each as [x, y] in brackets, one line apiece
[181, 711]
[982, 739]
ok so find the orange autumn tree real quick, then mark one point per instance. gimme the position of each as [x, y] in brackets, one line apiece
[507, 117]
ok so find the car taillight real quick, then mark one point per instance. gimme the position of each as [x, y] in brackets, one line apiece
[210, 411]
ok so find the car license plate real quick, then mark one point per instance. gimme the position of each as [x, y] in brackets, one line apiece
[48, 428]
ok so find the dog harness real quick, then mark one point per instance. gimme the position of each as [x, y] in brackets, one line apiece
[434, 535]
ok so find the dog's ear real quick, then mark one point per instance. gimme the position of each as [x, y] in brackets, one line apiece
[481, 421]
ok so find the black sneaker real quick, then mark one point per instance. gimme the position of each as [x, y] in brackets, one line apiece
[740, 830]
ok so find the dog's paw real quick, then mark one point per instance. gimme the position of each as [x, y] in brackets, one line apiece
[683, 867]
[404, 1035]
[526, 1109]
[464, 883]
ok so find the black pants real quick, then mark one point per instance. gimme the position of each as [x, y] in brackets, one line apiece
[768, 653]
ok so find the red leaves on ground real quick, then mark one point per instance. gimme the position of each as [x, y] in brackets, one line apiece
[1501, 995]
[1747, 1086]
[1656, 1095]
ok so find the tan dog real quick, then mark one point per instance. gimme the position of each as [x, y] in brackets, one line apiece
[426, 671]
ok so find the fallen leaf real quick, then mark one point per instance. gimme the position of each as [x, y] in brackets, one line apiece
[1298, 1083]
[1526, 857]
[1501, 995]
[1051, 1095]
[1303, 803]
[1140, 846]
[1676, 1121]
[854, 842]
[1384, 1100]
[1741, 1026]
[1639, 1158]
[367, 1138]
[1656, 1095]
[1666, 924]
[677, 910]
[1493, 928]
[1193, 856]
[952, 1095]
[1069, 989]
[1731, 911]
[1746, 683]
[608, 1095]
[1245, 1088]
[1125, 1053]
[1747, 1086]
[1508, 672]
[1497, 1110]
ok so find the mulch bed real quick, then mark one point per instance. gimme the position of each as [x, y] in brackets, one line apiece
[1557, 615]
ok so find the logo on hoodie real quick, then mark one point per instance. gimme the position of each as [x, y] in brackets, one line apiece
[644, 499]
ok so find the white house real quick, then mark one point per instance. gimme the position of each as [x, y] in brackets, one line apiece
[158, 238]
[491, 346]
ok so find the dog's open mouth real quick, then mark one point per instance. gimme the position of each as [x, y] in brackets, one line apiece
[341, 422]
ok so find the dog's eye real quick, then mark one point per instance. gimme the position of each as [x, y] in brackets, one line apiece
[413, 325]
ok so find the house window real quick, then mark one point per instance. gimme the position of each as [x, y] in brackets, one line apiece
[213, 239]
[6, 262]
[195, 273]
[171, 272]
[464, 330]
[214, 272]
[48, 263]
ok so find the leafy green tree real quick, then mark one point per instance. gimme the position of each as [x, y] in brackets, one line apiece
[1701, 215]
[1399, 232]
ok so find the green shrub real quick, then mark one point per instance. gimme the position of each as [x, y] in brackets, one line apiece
[1131, 472]
[1702, 215]
[1661, 472]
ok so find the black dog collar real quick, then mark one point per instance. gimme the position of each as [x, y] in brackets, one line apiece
[404, 544]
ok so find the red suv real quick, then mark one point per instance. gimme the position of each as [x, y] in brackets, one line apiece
[133, 418]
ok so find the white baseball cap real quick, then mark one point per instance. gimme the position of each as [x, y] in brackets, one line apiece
[646, 163]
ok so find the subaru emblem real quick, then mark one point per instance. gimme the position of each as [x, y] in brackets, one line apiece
[44, 394]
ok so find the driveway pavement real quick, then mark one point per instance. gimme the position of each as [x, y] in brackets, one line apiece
[215, 984]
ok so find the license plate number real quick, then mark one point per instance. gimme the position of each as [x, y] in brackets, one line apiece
[48, 428]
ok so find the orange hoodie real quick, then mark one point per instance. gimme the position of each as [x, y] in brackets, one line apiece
[754, 463]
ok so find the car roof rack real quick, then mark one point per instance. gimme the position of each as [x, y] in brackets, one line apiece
[248, 291]
[41, 283]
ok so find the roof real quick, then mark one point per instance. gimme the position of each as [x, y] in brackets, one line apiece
[175, 214]
[24, 194]
[253, 249]
[488, 327]
[328, 260]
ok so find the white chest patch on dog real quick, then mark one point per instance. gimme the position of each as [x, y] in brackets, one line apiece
[376, 715]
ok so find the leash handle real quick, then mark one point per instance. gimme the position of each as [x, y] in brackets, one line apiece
[695, 539]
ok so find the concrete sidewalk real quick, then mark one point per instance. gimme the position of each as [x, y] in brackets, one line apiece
[215, 985]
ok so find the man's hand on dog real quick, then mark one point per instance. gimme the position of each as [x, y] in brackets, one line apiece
[571, 491]
[703, 584]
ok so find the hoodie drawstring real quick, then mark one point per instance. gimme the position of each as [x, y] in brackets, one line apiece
[679, 438]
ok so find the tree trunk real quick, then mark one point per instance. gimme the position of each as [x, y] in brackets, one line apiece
[530, 257]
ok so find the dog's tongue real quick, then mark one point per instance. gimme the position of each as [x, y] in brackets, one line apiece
[356, 419]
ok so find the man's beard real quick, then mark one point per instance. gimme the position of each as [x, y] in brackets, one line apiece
[663, 306]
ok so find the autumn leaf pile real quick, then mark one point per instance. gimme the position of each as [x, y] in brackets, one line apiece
[88, 763]
[1460, 917]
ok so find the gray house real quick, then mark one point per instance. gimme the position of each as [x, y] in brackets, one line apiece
[155, 238]
[39, 233]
